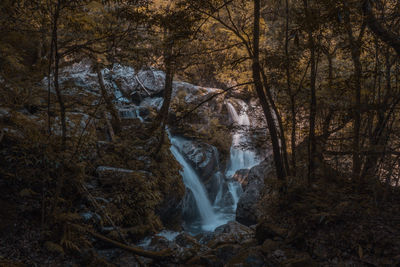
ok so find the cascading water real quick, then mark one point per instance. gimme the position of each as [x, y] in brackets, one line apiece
[241, 156]
[209, 219]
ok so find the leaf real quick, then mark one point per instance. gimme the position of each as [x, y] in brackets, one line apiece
[360, 252]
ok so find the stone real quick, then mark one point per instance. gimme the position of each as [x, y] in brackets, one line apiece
[5, 114]
[152, 80]
[241, 176]
[266, 230]
[189, 208]
[232, 232]
[248, 212]
[203, 158]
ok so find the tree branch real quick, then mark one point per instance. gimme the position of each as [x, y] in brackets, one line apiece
[385, 35]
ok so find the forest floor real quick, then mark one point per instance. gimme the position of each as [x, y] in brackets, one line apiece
[336, 224]
[327, 224]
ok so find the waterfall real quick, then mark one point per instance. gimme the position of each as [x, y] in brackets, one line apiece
[191, 180]
[241, 156]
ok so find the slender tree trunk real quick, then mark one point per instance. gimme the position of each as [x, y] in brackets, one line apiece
[313, 100]
[355, 55]
[56, 73]
[116, 122]
[280, 170]
[331, 111]
[290, 93]
[51, 56]
[162, 117]
[379, 136]
[280, 122]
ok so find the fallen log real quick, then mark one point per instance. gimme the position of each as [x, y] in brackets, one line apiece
[157, 255]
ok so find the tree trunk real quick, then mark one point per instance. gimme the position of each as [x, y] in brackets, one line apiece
[280, 171]
[383, 34]
[290, 93]
[162, 117]
[116, 122]
[313, 99]
[279, 119]
[355, 55]
[56, 72]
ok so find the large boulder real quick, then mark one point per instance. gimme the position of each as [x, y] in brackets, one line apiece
[203, 158]
[150, 82]
[230, 233]
[248, 212]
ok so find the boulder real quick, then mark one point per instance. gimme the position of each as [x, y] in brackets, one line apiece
[189, 208]
[241, 176]
[5, 114]
[150, 82]
[231, 233]
[217, 187]
[203, 158]
[248, 212]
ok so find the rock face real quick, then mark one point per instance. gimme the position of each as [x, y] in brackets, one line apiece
[241, 176]
[247, 211]
[203, 157]
[189, 207]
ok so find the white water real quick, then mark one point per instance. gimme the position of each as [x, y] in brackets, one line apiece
[209, 218]
[241, 156]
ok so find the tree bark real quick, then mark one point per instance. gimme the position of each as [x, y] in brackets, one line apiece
[60, 99]
[313, 99]
[355, 55]
[162, 117]
[279, 119]
[385, 35]
[256, 70]
[290, 93]
[116, 122]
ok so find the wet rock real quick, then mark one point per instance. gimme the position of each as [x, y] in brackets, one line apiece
[204, 238]
[203, 157]
[217, 187]
[232, 232]
[189, 208]
[187, 241]
[241, 176]
[5, 114]
[124, 78]
[152, 80]
[248, 212]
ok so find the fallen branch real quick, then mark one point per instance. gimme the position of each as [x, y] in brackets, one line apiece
[141, 84]
[157, 255]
